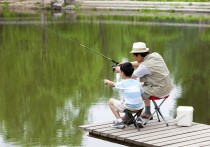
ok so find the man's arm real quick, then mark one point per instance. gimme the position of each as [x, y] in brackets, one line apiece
[134, 76]
[140, 72]
[135, 64]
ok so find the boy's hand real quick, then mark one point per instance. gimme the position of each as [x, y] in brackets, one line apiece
[106, 81]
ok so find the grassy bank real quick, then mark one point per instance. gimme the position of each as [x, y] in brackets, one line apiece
[130, 5]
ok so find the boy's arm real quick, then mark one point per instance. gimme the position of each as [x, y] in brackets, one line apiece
[109, 82]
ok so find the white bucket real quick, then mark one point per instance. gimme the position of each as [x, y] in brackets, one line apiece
[184, 115]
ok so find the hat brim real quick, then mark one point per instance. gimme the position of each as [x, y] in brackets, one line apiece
[147, 49]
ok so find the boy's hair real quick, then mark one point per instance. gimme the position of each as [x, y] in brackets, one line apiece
[141, 54]
[127, 69]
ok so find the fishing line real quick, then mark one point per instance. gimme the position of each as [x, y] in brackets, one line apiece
[82, 45]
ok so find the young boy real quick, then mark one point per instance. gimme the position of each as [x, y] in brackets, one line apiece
[131, 93]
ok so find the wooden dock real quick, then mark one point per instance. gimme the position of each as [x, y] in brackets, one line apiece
[154, 134]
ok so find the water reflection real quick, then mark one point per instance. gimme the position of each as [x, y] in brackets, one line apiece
[43, 36]
[50, 85]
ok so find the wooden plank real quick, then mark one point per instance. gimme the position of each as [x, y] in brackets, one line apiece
[106, 131]
[116, 134]
[122, 131]
[191, 142]
[90, 129]
[129, 129]
[167, 133]
[200, 144]
[177, 138]
[110, 122]
[99, 131]
[145, 130]
[154, 134]
[92, 125]
[187, 139]
[149, 132]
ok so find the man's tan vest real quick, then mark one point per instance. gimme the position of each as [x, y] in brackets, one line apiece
[158, 83]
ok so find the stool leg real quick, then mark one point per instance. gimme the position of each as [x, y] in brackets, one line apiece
[157, 115]
[138, 126]
[133, 119]
[136, 117]
[158, 112]
[149, 118]
[163, 117]
[123, 126]
[156, 109]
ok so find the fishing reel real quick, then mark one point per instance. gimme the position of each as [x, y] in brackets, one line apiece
[114, 67]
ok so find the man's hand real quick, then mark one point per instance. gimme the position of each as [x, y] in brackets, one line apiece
[117, 69]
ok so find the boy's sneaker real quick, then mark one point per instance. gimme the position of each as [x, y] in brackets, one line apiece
[125, 118]
[118, 124]
[139, 122]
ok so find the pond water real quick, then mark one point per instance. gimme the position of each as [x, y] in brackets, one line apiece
[50, 85]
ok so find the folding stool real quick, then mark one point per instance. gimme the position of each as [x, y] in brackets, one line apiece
[157, 109]
[134, 115]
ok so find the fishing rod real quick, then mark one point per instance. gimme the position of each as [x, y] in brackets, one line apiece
[82, 45]
[94, 51]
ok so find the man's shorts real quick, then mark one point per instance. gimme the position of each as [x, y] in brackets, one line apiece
[145, 96]
[120, 106]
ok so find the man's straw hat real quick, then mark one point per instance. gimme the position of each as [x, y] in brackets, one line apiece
[139, 47]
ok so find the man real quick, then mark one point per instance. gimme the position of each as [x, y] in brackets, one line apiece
[153, 72]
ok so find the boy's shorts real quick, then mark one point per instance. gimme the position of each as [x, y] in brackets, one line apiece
[120, 106]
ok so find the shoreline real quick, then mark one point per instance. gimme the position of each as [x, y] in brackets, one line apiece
[125, 5]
